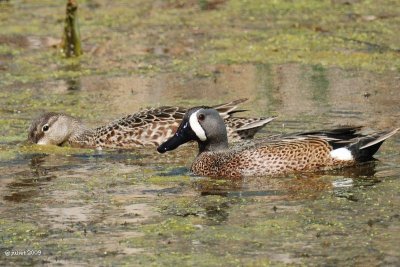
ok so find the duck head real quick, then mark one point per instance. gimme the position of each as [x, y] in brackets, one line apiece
[201, 124]
[53, 129]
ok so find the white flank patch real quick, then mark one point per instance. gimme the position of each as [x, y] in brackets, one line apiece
[342, 154]
[196, 127]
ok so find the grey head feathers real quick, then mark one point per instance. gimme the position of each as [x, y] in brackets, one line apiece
[201, 124]
[214, 128]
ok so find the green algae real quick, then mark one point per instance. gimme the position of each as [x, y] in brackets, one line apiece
[28, 101]
[245, 236]
[192, 237]
[208, 230]
[213, 207]
[165, 180]
[15, 234]
[352, 36]
[135, 208]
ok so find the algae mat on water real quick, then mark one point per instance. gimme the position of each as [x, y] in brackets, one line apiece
[139, 36]
[316, 64]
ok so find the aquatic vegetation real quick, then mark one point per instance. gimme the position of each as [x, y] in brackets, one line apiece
[314, 63]
[184, 38]
[71, 42]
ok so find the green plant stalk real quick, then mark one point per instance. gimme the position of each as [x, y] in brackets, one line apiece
[71, 42]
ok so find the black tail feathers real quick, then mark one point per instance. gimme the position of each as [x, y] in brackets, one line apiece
[364, 148]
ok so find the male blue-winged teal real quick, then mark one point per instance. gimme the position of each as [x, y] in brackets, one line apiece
[322, 150]
[147, 127]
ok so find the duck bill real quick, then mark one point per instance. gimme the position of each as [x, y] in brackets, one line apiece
[183, 135]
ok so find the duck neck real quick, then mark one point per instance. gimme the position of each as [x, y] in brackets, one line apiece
[81, 135]
[215, 144]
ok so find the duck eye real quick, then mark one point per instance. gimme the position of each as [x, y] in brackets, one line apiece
[201, 117]
[45, 128]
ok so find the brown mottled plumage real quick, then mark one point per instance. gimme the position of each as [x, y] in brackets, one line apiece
[149, 127]
[311, 151]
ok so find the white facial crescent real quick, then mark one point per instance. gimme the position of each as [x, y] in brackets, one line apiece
[196, 127]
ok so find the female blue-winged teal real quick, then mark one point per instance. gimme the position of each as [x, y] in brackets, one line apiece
[147, 127]
[283, 154]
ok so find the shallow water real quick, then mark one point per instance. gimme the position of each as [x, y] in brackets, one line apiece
[139, 207]
[84, 207]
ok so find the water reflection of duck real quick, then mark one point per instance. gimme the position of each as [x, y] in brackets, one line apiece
[147, 127]
[311, 151]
